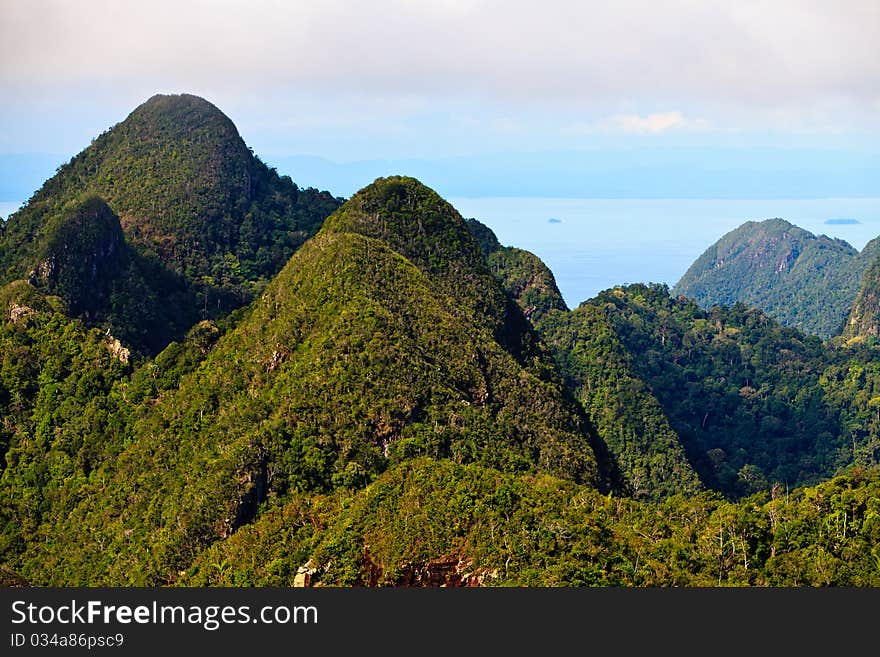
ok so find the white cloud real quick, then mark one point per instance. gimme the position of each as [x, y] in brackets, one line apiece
[635, 124]
[653, 124]
[464, 72]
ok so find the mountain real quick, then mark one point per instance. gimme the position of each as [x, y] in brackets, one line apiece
[753, 402]
[648, 456]
[84, 259]
[384, 413]
[800, 279]
[209, 376]
[59, 418]
[192, 201]
[385, 337]
[522, 274]
[686, 399]
[603, 373]
[864, 319]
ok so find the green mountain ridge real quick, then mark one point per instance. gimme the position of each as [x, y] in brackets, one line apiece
[85, 259]
[437, 523]
[386, 396]
[725, 399]
[353, 358]
[801, 280]
[647, 453]
[522, 274]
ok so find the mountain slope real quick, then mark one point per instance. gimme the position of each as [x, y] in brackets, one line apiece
[363, 424]
[83, 257]
[648, 456]
[58, 418]
[754, 403]
[437, 523]
[864, 319]
[629, 418]
[191, 198]
[801, 280]
[354, 358]
[522, 274]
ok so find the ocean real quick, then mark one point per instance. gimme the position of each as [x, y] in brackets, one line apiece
[594, 244]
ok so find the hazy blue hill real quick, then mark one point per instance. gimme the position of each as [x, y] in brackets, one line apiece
[800, 279]
[190, 196]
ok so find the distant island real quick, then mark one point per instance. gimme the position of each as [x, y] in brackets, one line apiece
[553, 220]
[841, 222]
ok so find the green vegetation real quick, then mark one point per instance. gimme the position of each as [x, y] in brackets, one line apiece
[753, 403]
[194, 203]
[644, 453]
[628, 417]
[522, 274]
[436, 522]
[864, 319]
[353, 359]
[59, 416]
[84, 259]
[795, 277]
[391, 397]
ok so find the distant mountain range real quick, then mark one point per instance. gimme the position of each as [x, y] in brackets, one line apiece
[210, 376]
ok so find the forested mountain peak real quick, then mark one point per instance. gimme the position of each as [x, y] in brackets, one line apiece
[384, 412]
[180, 114]
[417, 223]
[191, 198]
[800, 279]
[356, 357]
[414, 220]
[81, 254]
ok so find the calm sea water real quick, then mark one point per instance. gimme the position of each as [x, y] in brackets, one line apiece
[594, 244]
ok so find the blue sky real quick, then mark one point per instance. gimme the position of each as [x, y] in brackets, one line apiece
[583, 99]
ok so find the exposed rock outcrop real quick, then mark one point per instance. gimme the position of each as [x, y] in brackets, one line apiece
[19, 313]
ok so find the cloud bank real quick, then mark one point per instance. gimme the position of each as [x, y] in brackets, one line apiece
[746, 51]
[410, 78]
